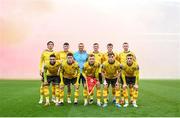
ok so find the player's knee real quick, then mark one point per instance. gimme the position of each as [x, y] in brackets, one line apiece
[130, 86]
[105, 86]
[117, 87]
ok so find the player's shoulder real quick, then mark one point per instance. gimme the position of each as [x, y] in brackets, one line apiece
[105, 63]
[136, 65]
[58, 62]
[75, 63]
[46, 64]
[123, 65]
[85, 64]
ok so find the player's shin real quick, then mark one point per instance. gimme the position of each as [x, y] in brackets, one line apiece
[117, 94]
[85, 94]
[135, 95]
[46, 93]
[125, 94]
[131, 93]
[41, 94]
[122, 96]
[57, 92]
[61, 94]
[69, 92]
[76, 95]
[98, 94]
[105, 94]
[53, 92]
[114, 94]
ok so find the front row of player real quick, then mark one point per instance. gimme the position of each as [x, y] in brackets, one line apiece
[119, 76]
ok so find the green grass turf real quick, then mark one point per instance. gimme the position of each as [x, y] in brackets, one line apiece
[156, 98]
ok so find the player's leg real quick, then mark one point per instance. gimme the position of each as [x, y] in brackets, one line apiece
[131, 92]
[113, 82]
[46, 90]
[85, 94]
[135, 93]
[41, 91]
[117, 93]
[113, 94]
[66, 82]
[125, 93]
[121, 93]
[53, 99]
[69, 93]
[76, 90]
[98, 93]
[56, 82]
[105, 92]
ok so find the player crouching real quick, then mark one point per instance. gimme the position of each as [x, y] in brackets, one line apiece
[51, 74]
[130, 78]
[69, 73]
[91, 74]
[111, 74]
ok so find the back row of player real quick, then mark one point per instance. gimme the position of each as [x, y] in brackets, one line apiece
[110, 67]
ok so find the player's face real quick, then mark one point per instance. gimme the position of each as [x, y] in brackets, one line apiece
[109, 48]
[70, 59]
[81, 47]
[129, 59]
[125, 47]
[52, 60]
[66, 47]
[50, 46]
[111, 59]
[96, 47]
[91, 60]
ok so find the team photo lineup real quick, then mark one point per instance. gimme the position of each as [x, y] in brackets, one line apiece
[95, 71]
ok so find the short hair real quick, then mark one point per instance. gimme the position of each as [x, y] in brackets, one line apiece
[125, 43]
[69, 54]
[128, 55]
[66, 43]
[111, 54]
[109, 44]
[91, 55]
[50, 42]
[95, 44]
[53, 55]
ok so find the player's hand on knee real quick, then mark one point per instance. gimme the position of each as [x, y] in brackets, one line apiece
[124, 86]
[105, 83]
[136, 87]
[45, 83]
[61, 86]
[117, 84]
[98, 83]
[41, 73]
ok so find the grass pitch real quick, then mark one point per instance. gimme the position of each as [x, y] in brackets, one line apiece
[156, 98]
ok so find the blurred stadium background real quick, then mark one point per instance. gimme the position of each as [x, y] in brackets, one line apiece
[152, 27]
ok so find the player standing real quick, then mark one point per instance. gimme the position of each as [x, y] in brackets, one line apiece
[45, 58]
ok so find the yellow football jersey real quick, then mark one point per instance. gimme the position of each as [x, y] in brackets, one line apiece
[105, 57]
[122, 56]
[69, 71]
[130, 71]
[62, 55]
[98, 56]
[91, 70]
[52, 70]
[111, 71]
[45, 57]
